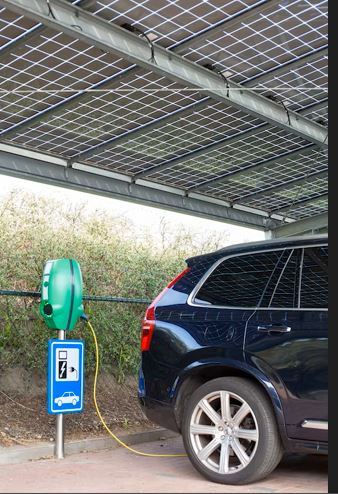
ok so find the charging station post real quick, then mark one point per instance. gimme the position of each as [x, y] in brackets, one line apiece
[60, 433]
[61, 306]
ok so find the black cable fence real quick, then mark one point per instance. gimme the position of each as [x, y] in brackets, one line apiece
[93, 298]
[23, 333]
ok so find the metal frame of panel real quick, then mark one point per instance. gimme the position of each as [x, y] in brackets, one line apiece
[30, 165]
[184, 111]
[313, 224]
[106, 36]
[40, 28]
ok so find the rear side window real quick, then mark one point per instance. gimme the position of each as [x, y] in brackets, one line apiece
[282, 290]
[314, 284]
[264, 279]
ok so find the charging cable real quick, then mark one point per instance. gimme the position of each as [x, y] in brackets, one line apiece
[98, 410]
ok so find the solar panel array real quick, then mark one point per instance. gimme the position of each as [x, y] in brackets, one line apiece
[63, 97]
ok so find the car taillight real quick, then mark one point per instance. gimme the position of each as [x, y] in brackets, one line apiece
[148, 323]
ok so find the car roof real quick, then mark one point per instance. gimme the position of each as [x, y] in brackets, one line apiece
[248, 247]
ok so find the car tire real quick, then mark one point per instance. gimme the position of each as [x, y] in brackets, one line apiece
[60, 403]
[229, 447]
[74, 402]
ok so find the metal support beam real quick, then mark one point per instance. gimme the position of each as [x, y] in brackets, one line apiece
[38, 29]
[158, 123]
[101, 182]
[260, 165]
[98, 32]
[301, 202]
[285, 185]
[199, 152]
[243, 16]
[111, 142]
[139, 131]
[312, 224]
[48, 112]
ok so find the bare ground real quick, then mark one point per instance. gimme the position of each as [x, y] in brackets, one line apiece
[24, 418]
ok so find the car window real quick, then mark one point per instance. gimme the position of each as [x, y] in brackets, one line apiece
[248, 280]
[282, 290]
[314, 283]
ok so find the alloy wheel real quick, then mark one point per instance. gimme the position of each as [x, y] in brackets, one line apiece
[224, 432]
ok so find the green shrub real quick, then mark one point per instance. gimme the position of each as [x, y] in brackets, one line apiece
[114, 261]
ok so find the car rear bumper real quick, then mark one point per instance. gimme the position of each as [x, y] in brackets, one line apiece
[159, 413]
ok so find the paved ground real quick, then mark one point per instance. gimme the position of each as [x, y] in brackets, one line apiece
[121, 471]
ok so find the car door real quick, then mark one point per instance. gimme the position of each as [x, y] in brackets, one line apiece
[287, 338]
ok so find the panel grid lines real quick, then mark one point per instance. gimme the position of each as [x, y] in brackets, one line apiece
[300, 87]
[55, 62]
[277, 174]
[299, 212]
[320, 114]
[315, 186]
[173, 21]
[265, 144]
[13, 26]
[267, 41]
[102, 115]
[200, 128]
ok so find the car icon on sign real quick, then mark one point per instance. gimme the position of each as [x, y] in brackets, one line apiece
[67, 397]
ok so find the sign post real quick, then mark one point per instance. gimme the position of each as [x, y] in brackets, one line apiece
[60, 435]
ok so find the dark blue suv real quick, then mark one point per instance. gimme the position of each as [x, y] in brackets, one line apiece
[234, 356]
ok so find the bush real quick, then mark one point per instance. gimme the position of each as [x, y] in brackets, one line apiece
[114, 260]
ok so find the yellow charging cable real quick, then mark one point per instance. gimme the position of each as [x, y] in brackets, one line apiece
[102, 419]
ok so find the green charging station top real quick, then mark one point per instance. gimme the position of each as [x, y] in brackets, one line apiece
[61, 293]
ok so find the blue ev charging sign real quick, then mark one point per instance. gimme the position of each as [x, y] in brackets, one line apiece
[65, 376]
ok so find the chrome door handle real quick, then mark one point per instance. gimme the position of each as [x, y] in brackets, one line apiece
[274, 328]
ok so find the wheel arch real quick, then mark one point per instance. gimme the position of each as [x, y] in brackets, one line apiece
[201, 372]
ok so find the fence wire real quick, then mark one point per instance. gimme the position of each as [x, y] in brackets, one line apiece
[94, 298]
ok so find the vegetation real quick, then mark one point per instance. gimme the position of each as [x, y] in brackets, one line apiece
[116, 259]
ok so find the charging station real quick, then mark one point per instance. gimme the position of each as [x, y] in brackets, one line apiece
[61, 294]
[61, 306]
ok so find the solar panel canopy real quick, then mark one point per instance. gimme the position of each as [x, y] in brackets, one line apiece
[210, 107]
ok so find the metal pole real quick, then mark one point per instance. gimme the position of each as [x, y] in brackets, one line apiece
[59, 452]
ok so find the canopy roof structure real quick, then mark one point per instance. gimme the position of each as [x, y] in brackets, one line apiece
[216, 108]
